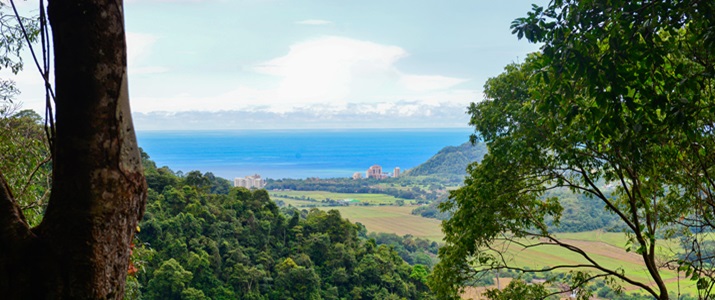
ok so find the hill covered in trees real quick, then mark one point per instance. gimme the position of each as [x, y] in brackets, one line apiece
[202, 239]
[450, 161]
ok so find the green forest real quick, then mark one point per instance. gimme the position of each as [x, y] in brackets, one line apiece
[451, 162]
[202, 240]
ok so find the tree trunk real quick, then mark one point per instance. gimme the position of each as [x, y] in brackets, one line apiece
[81, 248]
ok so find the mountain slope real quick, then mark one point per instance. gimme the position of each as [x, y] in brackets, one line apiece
[450, 160]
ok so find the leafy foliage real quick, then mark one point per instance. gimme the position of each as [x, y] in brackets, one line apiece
[618, 106]
[24, 160]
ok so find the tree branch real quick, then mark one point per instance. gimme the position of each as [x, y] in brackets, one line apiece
[13, 226]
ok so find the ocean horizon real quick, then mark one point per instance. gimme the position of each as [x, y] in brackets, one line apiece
[277, 153]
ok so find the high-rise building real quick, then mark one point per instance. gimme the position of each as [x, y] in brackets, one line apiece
[396, 172]
[375, 172]
[249, 182]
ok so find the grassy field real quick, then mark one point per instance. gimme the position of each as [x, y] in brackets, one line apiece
[606, 248]
[392, 219]
[374, 199]
[297, 203]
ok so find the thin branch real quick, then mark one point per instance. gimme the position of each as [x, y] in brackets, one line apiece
[593, 264]
[29, 178]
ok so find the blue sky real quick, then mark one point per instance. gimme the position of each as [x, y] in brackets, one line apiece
[251, 64]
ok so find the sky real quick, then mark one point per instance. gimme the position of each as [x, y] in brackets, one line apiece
[285, 64]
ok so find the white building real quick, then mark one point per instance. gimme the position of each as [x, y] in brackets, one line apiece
[249, 182]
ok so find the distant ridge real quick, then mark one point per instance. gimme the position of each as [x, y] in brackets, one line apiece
[450, 160]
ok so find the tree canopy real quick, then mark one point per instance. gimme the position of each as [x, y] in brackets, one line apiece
[617, 106]
[199, 244]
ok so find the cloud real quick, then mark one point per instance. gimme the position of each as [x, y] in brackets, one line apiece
[139, 46]
[402, 114]
[331, 69]
[322, 82]
[314, 22]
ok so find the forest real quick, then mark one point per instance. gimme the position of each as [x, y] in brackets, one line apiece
[451, 162]
[201, 240]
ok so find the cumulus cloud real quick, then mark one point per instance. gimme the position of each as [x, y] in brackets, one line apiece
[331, 69]
[314, 22]
[328, 78]
[343, 69]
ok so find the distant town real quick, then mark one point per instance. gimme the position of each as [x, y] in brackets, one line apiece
[256, 182]
[376, 172]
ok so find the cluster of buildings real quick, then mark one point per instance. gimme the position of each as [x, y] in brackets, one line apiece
[376, 172]
[249, 182]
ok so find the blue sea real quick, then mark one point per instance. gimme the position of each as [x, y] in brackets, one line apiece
[296, 153]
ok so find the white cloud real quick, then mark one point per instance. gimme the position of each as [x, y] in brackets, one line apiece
[331, 69]
[327, 78]
[139, 46]
[342, 69]
[336, 115]
[314, 22]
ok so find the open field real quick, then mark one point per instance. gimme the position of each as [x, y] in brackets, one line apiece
[374, 199]
[298, 203]
[606, 248]
[392, 219]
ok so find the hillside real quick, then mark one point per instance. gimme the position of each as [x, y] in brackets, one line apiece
[202, 239]
[450, 160]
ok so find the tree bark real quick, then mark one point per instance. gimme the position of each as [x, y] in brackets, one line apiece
[81, 248]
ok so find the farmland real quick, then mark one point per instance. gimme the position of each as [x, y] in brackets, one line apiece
[392, 219]
[607, 248]
[315, 198]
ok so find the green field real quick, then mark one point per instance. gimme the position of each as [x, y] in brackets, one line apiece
[372, 199]
[392, 219]
[298, 203]
[606, 248]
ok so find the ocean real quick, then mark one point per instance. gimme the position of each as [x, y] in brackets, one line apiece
[296, 153]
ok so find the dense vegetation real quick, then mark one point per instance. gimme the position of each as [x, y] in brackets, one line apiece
[617, 107]
[24, 159]
[402, 187]
[200, 240]
[451, 161]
